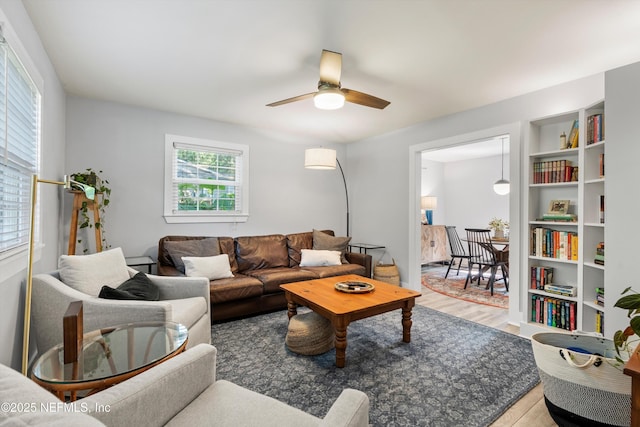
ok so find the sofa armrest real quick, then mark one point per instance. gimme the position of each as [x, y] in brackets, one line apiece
[364, 260]
[161, 392]
[350, 409]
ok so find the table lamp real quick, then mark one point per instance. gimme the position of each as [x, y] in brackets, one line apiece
[429, 204]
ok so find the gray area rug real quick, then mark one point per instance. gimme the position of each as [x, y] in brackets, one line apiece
[453, 373]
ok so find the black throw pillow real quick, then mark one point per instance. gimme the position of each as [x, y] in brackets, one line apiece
[139, 287]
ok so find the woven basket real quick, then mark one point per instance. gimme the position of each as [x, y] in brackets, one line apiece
[387, 273]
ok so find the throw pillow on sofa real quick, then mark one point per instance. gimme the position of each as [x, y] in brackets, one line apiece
[213, 267]
[139, 287]
[191, 248]
[319, 258]
[88, 273]
[324, 241]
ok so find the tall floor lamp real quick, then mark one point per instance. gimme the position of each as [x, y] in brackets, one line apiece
[326, 159]
[67, 183]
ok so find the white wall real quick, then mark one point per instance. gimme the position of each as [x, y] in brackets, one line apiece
[465, 191]
[622, 110]
[127, 144]
[13, 273]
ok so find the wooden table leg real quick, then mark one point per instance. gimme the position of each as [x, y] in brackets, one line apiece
[340, 329]
[406, 323]
[292, 309]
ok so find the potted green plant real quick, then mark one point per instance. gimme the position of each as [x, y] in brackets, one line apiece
[498, 225]
[621, 338]
[103, 196]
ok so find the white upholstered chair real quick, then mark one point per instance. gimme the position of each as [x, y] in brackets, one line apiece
[182, 300]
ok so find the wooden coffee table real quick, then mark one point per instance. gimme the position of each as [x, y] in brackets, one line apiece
[342, 308]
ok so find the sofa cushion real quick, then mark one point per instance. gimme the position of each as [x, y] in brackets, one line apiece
[228, 246]
[322, 240]
[272, 278]
[187, 311]
[225, 403]
[298, 241]
[257, 252]
[213, 267]
[31, 403]
[235, 288]
[204, 247]
[89, 273]
[337, 270]
[139, 287]
[318, 258]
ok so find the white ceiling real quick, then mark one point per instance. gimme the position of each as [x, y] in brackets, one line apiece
[471, 150]
[225, 59]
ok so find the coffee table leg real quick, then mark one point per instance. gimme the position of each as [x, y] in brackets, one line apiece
[292, 309]
[341, 347]
[406, 324]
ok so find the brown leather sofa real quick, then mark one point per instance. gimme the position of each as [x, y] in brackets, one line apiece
[260, 264]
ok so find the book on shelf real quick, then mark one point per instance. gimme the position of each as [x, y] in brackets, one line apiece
[601, 210]
[559, 217]
[566, 290]
[601, 164]
[549, 243]
[554, 312]
[599, 258]
[541, 276]
[553, 171]
[572, 140]
[599, 322]
[595, 128]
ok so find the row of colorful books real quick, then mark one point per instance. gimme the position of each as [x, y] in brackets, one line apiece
[553, 171]
[546, 242]
[554, 312]
[595, 128]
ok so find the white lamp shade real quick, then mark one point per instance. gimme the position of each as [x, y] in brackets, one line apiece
[329, 99]
[429, 202]
[502, 187]
[320, 158]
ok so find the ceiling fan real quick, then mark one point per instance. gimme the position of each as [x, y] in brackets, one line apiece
[330, 94]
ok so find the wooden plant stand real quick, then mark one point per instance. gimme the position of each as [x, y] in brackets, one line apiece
[80, 201]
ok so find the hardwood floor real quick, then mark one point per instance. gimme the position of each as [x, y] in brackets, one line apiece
[528, 411]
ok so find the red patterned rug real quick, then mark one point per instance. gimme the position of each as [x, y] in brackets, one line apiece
[453, 286]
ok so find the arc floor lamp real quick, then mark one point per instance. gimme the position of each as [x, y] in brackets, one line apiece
[67, 183]
[326, 159]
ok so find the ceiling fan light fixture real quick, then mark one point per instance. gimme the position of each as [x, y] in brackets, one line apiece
[329, 99]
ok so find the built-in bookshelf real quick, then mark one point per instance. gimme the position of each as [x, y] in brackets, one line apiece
[565, 166]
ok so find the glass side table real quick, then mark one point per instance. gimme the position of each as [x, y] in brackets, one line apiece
[109, 356]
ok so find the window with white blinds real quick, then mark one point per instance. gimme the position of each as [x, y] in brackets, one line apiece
[205, 181]
[19, 144]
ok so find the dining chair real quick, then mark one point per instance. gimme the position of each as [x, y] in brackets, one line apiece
[483, 253]
[457, 249]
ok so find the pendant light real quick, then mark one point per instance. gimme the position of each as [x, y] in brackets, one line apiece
[502, 186]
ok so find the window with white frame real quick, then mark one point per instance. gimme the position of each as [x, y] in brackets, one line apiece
[20, 103]
[205, 180]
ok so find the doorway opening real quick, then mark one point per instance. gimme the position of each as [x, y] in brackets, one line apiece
[460, 172]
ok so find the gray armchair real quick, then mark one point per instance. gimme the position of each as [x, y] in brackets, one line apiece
[182, 391]
[183, 300]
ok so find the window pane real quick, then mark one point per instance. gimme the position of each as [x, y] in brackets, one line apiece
[19, 139]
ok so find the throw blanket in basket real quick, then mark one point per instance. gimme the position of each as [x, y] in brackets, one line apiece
[582, 389]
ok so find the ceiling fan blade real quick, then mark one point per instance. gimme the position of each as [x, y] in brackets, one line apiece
[330, 67]
[294, 99]
[363, 99]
